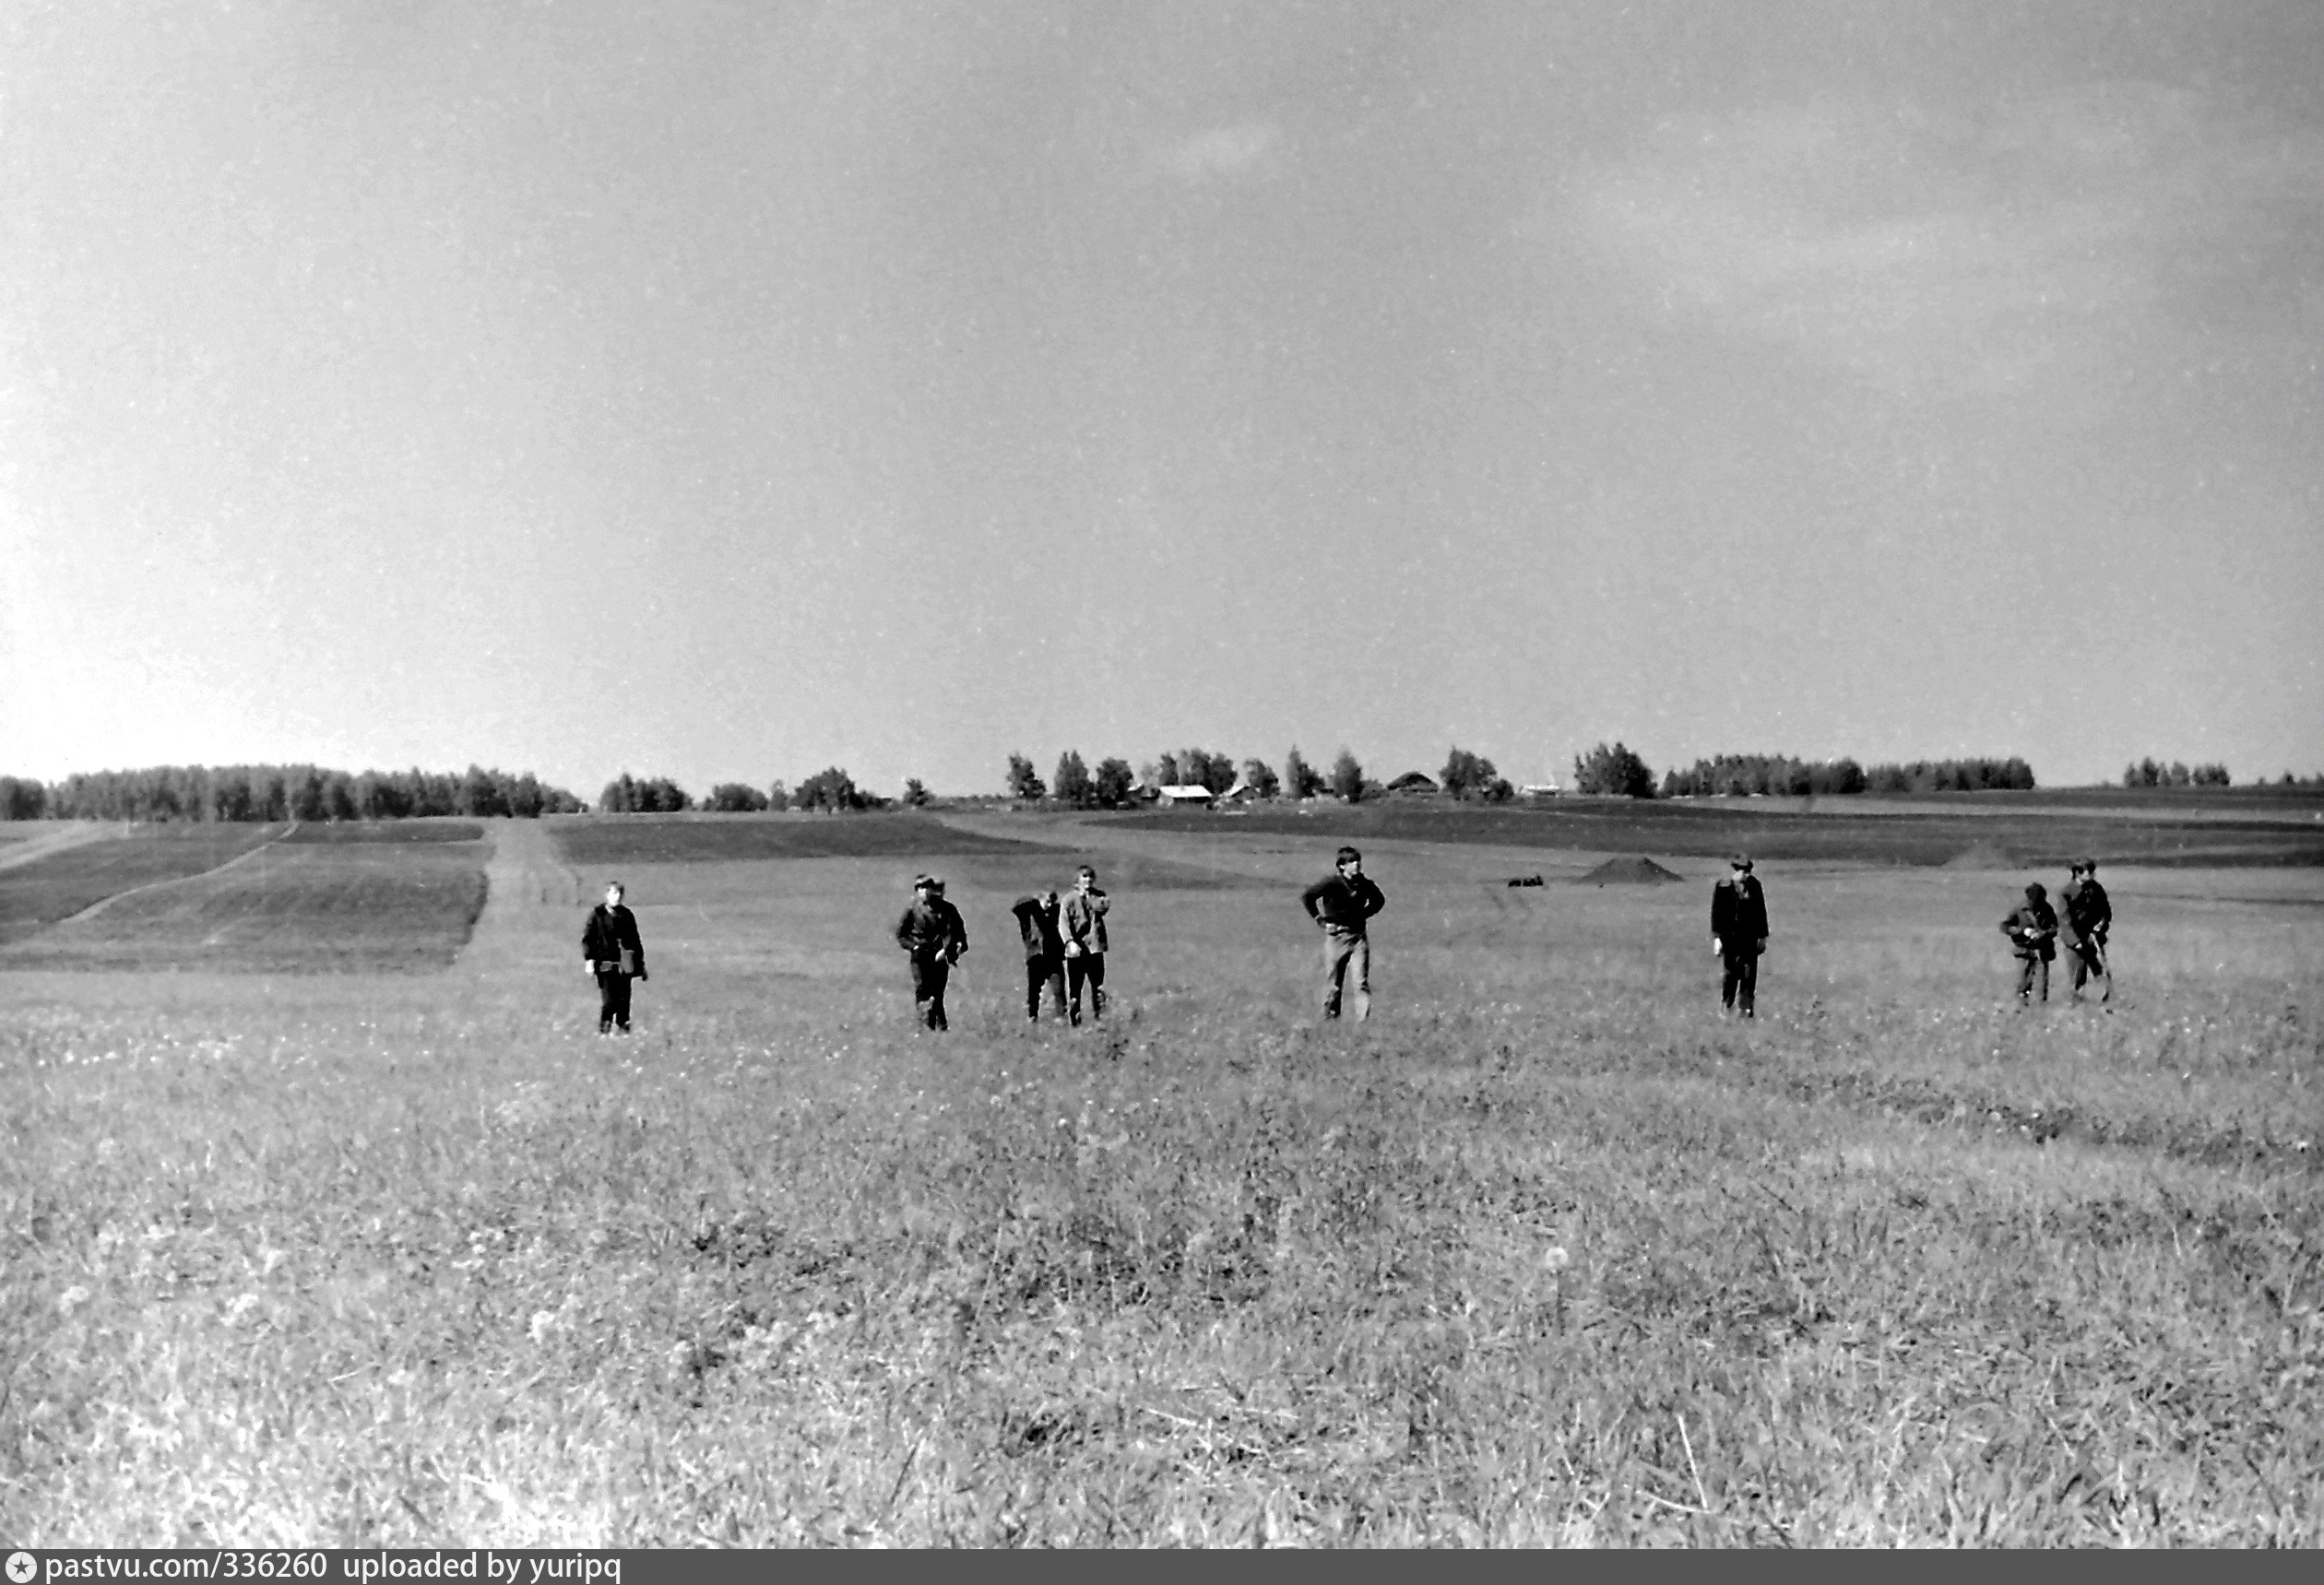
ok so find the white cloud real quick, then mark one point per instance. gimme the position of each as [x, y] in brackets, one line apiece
[1246, 149]
[1960, 253]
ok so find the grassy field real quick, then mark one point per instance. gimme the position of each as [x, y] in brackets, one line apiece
[394, 832]
[36, 896]
[1979, 828]
[1547, 1252]
[351, 907]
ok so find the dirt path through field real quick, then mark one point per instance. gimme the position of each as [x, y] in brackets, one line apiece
[56, 841]
[532, 904]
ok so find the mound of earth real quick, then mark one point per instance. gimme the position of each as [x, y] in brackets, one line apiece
[1983, 856]
[1628, 872]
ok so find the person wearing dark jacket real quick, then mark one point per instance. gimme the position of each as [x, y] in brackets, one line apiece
[1083, 920]
[2087, 919]
[1342, 903]
[1044, 953]
[2032, 928]
[933, 936]
[610, 948]
[1739, 934]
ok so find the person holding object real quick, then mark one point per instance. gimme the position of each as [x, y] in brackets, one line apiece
[2032, 928]
[933, 937]
[610, 948]
[1044, 953]
[1739, 934]
[1342, 903]
[1083, 919]
[2088, 918]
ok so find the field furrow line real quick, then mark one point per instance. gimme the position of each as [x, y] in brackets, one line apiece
[102, 903]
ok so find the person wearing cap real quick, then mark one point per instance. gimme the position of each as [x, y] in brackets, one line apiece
[1044, 953]
[614, 956]
[1083, 919]
[2087, 919]
[1739, 934]
[1341, 903]
[2032, 928]
[933, 937]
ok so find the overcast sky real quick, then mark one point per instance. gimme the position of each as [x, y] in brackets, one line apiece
[725, 391]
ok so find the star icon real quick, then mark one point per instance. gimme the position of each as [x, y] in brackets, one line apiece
[22, 1566]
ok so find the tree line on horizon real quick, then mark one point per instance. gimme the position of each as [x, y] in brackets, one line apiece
[263, 794]
[1737, 774]
[2146, 773]
[274, 793]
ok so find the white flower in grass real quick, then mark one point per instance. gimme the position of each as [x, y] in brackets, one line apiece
[238, 1311]
[544, 1323]
[1555, 1259]
[72, 1298]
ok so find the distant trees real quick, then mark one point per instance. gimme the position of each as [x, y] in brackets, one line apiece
[1259, 777]
[831, 791]
[1737, 774]
[1615, 770]
[1114, 782]
[915, 795]
[2011, 774]
[259, 793]
[1299, 778]
[778, 797]
[1024, 781]
[735, 797]
[1347, 778]
[1071, 786]
[626, 793]
[2148, 774]
[1212, 773]
[1467, 775]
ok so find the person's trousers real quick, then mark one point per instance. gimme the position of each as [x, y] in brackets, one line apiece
[1739, 980]
[2033, 972]
[2088, 960]
[1346, 954]
[1044, 973]
[1087, 969]
[928, 976]
[614, 1001]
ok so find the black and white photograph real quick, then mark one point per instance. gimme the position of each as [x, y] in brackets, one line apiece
[1178, 774]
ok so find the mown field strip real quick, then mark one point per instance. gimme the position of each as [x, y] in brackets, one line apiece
[103, 903]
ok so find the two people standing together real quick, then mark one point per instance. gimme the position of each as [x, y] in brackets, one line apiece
[1066, 948]
[2033, 929]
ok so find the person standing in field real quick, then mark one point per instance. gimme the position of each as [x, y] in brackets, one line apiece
[2088, 918]
[1083, 918]
[1738, 935]
[1342, 903]
[2032, 928]
[610, 948]
[933, 937]
[1044, 953]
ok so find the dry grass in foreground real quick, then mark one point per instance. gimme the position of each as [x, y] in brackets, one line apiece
[423, 1264]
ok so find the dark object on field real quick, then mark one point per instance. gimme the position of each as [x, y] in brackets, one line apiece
[1525, 879]
[1628, 872]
